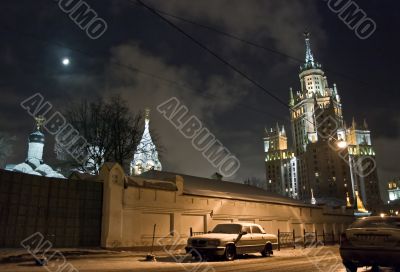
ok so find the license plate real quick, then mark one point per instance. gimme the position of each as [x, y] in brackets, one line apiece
[372, 238]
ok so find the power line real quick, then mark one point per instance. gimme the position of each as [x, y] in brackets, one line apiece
[253, 44]
[210, 51]
[218, 57]
[137, 70]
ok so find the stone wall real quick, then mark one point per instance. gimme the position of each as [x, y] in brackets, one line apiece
[130, 212]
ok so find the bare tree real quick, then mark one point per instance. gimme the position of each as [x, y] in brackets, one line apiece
[111, 129]
[6, 147]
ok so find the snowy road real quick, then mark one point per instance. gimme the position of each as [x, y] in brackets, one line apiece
[322, 259]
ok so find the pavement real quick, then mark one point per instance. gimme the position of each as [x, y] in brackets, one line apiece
[324, 259]
[21, 255]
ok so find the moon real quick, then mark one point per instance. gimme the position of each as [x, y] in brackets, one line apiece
[65, 61]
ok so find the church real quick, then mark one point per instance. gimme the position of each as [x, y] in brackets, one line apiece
[34, 164]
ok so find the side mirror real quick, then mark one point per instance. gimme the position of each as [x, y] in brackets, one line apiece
[243, 232]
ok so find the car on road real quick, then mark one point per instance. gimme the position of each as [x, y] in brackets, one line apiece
[232, 239]
[371, 241]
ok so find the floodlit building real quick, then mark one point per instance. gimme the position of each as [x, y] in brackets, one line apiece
[145, 157]
[34, 164]
[393, 189]
[281, 164]
[331, 160]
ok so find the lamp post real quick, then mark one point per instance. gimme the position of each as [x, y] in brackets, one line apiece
[342, 145]
[359, 208]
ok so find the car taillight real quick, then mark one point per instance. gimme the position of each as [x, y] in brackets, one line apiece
[344, 240]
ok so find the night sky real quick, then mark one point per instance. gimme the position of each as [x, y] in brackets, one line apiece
[36, 35]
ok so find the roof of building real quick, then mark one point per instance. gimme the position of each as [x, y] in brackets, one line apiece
[223, 189]
[83, 176]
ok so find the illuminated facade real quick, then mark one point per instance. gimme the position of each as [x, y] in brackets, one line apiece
[362, 159]
[323, 147]
[146, 155]
[394, 189]
[281, 164]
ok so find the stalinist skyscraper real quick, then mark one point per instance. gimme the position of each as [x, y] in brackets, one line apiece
[330, 159]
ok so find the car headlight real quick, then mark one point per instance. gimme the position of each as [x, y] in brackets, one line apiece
[213, 242]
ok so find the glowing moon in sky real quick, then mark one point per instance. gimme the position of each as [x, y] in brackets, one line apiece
[65, 61]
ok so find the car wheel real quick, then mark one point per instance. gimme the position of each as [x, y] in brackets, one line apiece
[267, 251]
[230, 252]
[350, 267]
[196, 256]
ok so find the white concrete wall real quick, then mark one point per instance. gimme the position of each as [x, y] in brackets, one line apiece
[129, 214]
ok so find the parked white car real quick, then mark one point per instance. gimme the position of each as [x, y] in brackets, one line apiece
[230, 240]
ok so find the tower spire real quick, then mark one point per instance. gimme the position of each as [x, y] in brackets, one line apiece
[348, 204]
[313, 200]
[365, 124]
[353, 123]
[309, 55]
[145, 157]
[283, 132]
[291, 99]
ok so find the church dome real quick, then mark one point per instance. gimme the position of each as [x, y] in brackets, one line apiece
[36, 137]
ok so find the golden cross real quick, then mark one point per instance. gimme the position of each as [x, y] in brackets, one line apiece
[147, 113]
[39, 121]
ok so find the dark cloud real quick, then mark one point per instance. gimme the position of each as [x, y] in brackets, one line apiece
[217, 96]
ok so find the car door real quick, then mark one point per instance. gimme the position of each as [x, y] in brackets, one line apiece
[244, 244]
[258, 238]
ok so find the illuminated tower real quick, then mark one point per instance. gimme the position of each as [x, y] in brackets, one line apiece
[317, 124]
[146, 155]
[332, 162]
[281, 165]
[362, 154]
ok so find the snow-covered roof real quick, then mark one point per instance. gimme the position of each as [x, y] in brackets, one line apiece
[33, 164]
[41, 170]
[223, 189]
[25, 168]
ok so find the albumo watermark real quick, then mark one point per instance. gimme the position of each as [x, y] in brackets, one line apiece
[65, 134]
[362, 165]
[202, 139]
[84, 17]
[40, 249]
[353, 16]
[173, 242]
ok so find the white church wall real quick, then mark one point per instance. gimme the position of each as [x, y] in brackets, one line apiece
[130, 214]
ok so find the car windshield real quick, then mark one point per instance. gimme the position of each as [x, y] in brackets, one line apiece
[385, 222]
[227, 228]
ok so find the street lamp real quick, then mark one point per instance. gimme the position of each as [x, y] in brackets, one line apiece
[342, 144]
